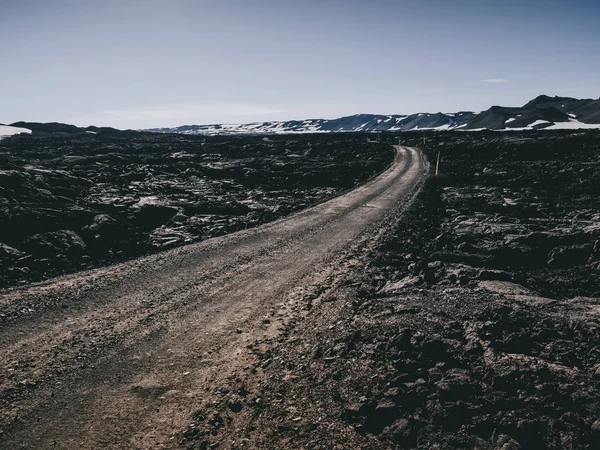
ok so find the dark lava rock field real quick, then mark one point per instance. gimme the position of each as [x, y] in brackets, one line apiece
[522, 208]
[474, 322]
[75, 201]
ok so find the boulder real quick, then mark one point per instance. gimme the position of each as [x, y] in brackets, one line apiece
[149, 216]
[505, 442]
[55, 243]
[9, 253]
[569, 256]
[102, 223]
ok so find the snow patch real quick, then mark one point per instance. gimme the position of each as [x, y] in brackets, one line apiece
[6, 130]
[149, 200]
[574, 124]
[181, 155]
[538, 122]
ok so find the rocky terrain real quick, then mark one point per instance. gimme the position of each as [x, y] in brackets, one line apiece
[73, 199]
[467, 315]
[119, 356]
[473, 323]
[522, 208]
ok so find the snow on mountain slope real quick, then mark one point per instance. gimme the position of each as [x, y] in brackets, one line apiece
[6, 130]
[541, 113]
[359, 122]
[573, 124]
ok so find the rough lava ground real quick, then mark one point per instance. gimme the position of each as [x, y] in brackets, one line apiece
[74, 202]
[474, 323]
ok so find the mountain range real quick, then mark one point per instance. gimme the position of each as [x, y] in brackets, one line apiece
[543, 112]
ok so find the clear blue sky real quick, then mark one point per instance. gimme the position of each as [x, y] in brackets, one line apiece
[146, 63]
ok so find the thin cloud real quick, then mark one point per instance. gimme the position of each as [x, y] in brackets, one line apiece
[179, 114]
[495, 81]
[190, 111]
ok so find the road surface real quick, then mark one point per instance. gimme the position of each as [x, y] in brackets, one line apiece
[118, 357]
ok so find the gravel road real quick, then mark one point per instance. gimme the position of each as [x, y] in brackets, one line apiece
[117, 357]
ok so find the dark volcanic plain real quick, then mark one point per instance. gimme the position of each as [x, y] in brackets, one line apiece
[118, 356]
[473, 323]
[452, 312]
[78, 200]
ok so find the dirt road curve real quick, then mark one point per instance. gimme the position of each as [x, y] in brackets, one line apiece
[118, 357]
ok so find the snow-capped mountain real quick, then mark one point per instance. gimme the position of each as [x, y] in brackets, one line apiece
[359, 122]
[541, 113]
[53, 128]
[551, 113]
[6, 130]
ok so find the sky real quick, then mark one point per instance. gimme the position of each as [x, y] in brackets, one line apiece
[154, 63]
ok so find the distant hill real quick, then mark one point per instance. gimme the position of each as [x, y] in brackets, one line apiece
[49, 127]
[358, 122]
[6, 130]
[543, 112]
[587, 111]
[53, 128]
